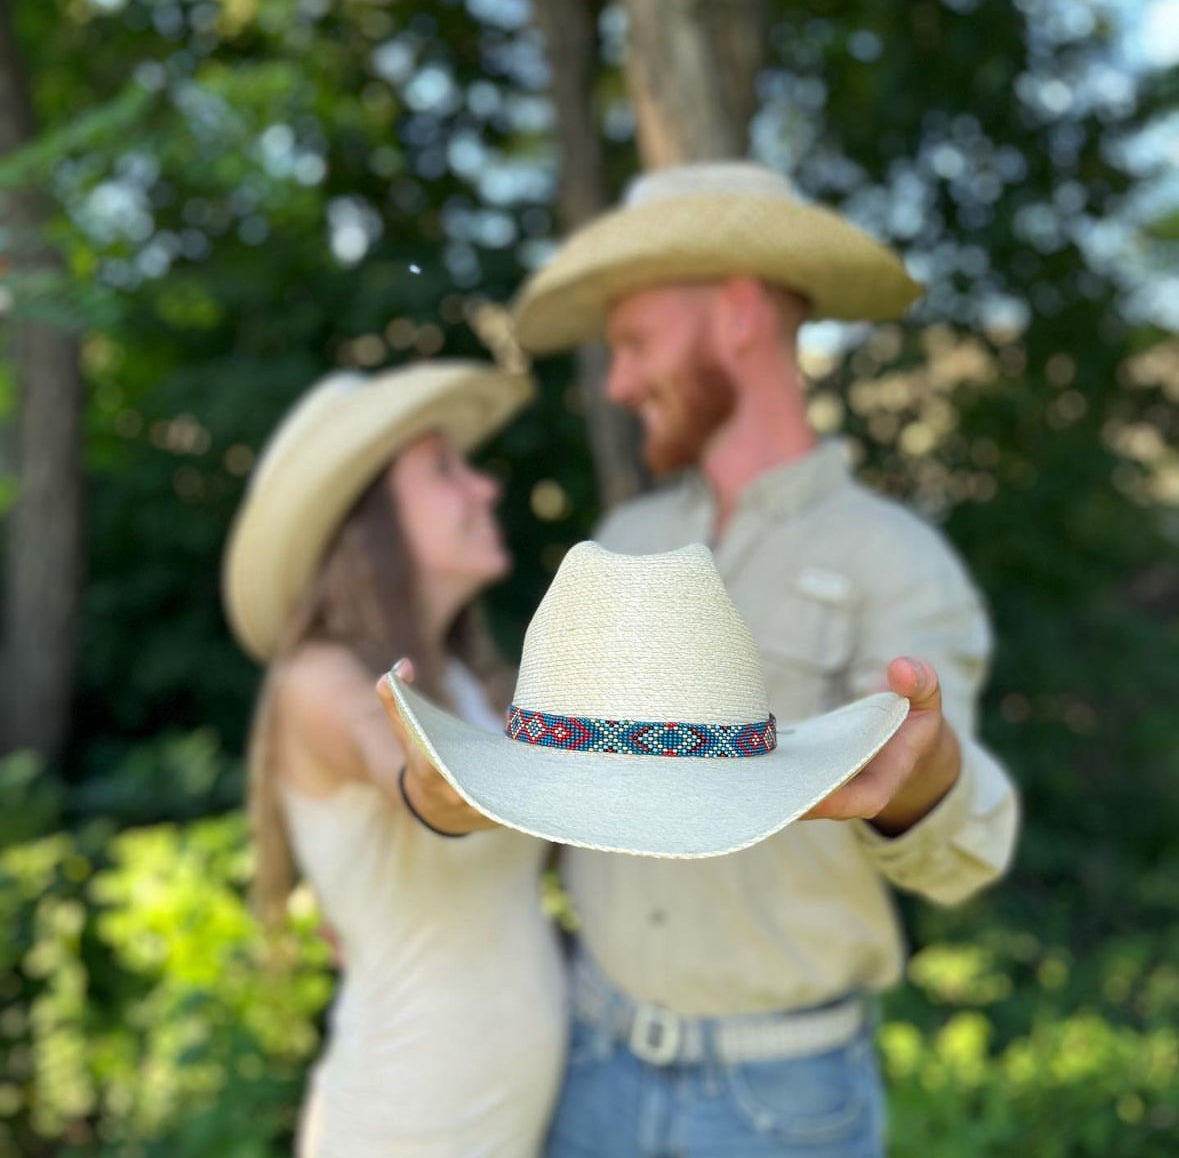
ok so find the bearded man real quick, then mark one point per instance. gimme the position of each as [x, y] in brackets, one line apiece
[723, 1006]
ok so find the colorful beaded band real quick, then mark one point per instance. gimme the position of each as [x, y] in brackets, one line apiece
[640, 737]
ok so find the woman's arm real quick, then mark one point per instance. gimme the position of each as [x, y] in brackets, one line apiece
[423, 789]
[332, 730]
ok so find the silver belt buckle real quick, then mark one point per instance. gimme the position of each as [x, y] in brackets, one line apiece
[655, 1035]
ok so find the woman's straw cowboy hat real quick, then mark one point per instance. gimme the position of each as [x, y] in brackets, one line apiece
[705, 222]
[323, 456]
[640, 722]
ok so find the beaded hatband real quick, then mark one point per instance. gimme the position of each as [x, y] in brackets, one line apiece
[640, 737]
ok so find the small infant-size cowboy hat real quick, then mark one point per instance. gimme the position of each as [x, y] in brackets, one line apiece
[640, 722]
[324, 454]
[705, 222]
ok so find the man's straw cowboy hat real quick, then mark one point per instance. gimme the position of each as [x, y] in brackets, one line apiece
[322, 458]
[640, 722]
[706, 222]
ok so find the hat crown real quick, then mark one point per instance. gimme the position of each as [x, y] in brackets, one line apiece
[641, 637]
[713, 178]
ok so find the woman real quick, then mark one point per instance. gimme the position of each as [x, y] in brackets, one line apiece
[364, 536]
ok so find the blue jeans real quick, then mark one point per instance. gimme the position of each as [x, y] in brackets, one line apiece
[613, 1105]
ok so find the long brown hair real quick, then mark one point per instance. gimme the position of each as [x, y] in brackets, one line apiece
[364, 596]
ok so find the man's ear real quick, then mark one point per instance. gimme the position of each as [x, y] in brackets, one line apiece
[744, 314]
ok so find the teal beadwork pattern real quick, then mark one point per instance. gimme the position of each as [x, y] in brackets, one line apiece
[640, 737]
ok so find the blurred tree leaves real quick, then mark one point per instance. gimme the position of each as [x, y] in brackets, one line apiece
[250, 206]
[247, 212]
[97, 129]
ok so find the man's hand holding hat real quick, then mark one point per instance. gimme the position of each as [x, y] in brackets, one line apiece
[905, 780]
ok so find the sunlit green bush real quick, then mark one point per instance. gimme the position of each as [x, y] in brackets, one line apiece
[141, 1015]
[141, 1011]
[1093, 1071]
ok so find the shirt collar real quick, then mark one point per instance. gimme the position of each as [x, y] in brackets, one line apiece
[787, 490]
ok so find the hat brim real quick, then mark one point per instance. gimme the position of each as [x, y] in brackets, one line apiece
[679, 807]
[839, 269]
[323, 460]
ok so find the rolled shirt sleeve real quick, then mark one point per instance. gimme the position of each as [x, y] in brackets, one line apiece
[923, 605]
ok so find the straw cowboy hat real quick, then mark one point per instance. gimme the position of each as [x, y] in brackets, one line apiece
[704, 222]
[640, 722]
[321, 459]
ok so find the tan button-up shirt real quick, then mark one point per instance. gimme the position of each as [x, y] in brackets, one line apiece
[834, 582]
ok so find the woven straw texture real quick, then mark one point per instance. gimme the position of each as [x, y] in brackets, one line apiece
[320, 460]
[700, 223]
[613, 629]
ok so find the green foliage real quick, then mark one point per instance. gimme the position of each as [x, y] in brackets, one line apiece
[97, 128]
[1019, 1049]
[30, 799]
[139, 1013]
[141, 1010]
[178, 775]
[1078, 1086]
[196, 206]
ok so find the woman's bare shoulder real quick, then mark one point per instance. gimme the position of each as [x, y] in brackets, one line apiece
[323, 693]
[315, 668]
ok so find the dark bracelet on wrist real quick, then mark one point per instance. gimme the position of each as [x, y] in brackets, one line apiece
[417, 815]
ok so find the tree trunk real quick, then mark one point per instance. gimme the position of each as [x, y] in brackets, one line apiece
[568, 27]
[44, 555]
[692, 69]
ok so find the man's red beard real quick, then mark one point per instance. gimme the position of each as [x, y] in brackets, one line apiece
[705, 397]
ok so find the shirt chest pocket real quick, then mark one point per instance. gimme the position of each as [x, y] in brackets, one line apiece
[807, 637]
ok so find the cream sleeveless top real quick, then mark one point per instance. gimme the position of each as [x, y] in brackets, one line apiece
[447, 1036]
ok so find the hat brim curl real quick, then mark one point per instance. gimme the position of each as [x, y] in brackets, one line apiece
[680, 807]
